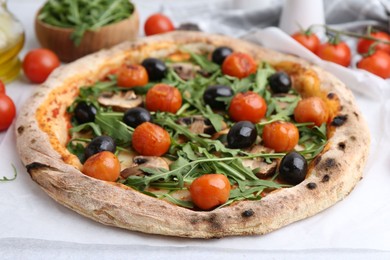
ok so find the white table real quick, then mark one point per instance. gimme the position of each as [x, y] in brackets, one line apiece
[357, 227]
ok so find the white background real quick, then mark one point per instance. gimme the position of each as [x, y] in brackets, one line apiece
[34, 226]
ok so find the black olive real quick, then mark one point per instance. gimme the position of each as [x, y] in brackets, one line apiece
[219, 54]
[280, 82]
[213, 92]
[136, 116]
[100, 144]
[155, 68]
[243, 134]
[293, 168]
[84, 113]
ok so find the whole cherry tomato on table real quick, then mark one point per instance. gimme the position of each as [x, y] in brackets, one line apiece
[377, 63]
[39, 63]
[239, 65]
[7, 111]
[132, 76]
[280, 136]
[2, 87]
[339, 53]
[103, 166]
[158, 23]
[150, 139]
[312, 109]
[307, 39]
[210, 190]
[248, 106]
[363, 45]
[163, 97]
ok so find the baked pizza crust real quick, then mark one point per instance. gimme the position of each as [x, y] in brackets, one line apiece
[333, 174]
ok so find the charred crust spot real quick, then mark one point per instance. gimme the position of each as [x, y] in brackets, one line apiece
[33, 141]
[325, 178]
[329, 164]
[247, 213]
[311, 185]
[139, 204]
[194, 221]
[353, 138]
[317, 160]
[35, 165]
[341, 146]
[214, 224]
[20, 130]
[356, 114]
[339, 120]
[330, 95]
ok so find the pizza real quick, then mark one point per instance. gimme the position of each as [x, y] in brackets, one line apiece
[190, 134]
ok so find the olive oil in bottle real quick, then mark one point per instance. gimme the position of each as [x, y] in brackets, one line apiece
[11, 42]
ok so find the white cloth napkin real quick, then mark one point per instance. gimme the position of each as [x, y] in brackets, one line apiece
[359, 221]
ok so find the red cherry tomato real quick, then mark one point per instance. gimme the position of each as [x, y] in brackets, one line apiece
[2, 87]
[363, 45]
[239, 65]
[158, 23]
[338, 53]
[150, 140]
[248, 106]
[377, 63]
[308, 40]
[132, 76]
[7, 111]
[280, 136]
[210, 190]
[103, 166]
[39, 63]
[312, 109]
[163, 97]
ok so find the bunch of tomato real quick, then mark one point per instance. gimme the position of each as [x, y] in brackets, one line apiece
[7, 109]
[375, 52]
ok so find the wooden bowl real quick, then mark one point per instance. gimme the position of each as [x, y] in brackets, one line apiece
[58, 39]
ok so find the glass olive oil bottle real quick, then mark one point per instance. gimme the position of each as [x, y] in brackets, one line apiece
[11, 42]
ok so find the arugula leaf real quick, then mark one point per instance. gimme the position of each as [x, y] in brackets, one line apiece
[263, 72]
[86, 126]
[204, 63]
[4, 178]
[111, 124]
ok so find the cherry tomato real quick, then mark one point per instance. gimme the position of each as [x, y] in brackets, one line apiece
[280, 136]
[248, 106]
[150, 140]
[377, 63]
[132, 76]
[39, 63]
[2, 87]
[210, 190]
[312, 109]
[163, 97]
[239, 65]
[338, 53]
[363, 45]
[103, 166]
[158, 23]
[7, 111]
[308, 40]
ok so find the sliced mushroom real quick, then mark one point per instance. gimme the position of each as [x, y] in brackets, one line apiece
[144, 161]
[199, 125]
[185, 70]
[120, 101]
[263, 169]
